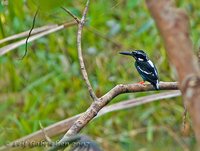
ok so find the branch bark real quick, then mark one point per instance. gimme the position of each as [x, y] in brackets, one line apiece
[173, 24]
[80, 55]
[96, 106]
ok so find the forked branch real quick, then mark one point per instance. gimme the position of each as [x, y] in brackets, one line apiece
[96, 106]
[99, 103]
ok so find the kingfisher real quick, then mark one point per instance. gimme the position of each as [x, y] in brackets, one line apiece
[145, 67]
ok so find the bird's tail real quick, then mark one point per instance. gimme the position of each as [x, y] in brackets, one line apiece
[157, 85]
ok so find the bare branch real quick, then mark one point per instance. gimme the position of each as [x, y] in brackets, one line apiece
[96, 106]
[71, 14]
[29, 34]
[43, 31]
[9, 47]
[92, 29]
[25, 33]
[80, 55]
[138, 101]
[48, 139]
[173, 24]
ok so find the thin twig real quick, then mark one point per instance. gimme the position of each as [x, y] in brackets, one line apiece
[92, 29]
[80, 55]
[48, 139]
[71, 14]
[29, 34]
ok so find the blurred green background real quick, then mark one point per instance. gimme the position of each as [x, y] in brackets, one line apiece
[47, 86]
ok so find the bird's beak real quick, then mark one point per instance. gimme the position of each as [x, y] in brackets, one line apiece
[134, 53]
[126, 53]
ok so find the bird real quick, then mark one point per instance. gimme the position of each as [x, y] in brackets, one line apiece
[145, 67]
[77, 143]
[85, 143]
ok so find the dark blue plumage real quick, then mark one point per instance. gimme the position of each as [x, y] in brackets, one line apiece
[145, 67]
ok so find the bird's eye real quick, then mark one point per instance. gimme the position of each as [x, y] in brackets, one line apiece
[140, 59]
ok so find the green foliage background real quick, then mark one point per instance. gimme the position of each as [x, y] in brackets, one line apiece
[47, 86]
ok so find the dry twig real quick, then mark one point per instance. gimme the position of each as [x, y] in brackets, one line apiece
[71, 14]
[7, 48]
[29, 34]
[80, 55]
[48, 139]
[25, 33]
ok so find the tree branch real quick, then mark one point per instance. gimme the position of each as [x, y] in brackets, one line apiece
[80, 56]
[173, 25]
[51, 29]
[96, 106]
[100, 102]
[25, 33]
[138, 101]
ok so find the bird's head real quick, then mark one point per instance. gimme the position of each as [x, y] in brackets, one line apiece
[139, 55]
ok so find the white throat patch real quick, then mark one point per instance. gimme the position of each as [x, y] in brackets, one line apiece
[140, 59]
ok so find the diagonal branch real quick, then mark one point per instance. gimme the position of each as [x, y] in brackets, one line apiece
[80, 55]
[25, 33]
[96, 106]
[72, 15]
[51, 29]
[138, 101]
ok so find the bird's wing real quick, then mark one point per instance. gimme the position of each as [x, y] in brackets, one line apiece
[147, 70]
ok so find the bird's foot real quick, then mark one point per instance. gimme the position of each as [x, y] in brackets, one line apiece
[141, 82]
